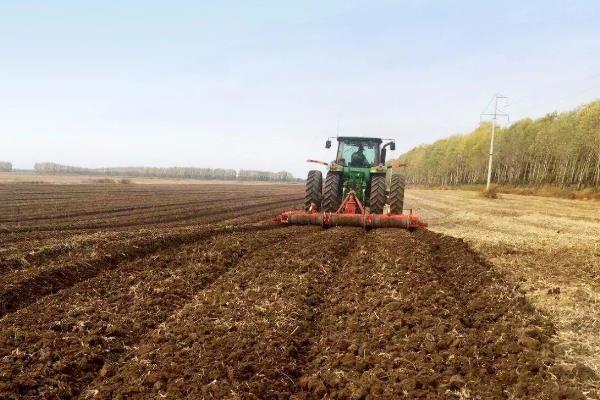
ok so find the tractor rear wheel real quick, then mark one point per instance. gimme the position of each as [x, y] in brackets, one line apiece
[314, 186]
[377, 197]
[332, 192]
[396, 196]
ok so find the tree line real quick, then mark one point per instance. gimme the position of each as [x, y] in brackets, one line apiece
[561, 149]
[251, 175]
[170, 172]
[5, 166]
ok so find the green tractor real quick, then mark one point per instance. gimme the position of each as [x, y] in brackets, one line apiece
[359, 167]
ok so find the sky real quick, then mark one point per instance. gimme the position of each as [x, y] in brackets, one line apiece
[262, 84]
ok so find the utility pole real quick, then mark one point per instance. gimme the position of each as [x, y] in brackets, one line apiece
[494, 116]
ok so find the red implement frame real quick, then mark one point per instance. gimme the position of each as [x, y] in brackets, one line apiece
[351, 213]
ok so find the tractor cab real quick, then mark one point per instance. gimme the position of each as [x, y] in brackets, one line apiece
[358, 152]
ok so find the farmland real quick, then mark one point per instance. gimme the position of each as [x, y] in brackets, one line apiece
[189, 291]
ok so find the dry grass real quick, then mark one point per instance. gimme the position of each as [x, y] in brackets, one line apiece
[553, 191]
[550, 246]
[543, 191]
[492, 193]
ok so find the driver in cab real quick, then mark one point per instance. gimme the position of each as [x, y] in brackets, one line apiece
[358, 158]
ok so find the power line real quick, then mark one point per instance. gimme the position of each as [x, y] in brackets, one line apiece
[494, 116]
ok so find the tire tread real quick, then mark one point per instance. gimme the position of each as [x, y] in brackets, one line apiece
[313, 190]
[332, 192]
[378, 195]
[396, 196]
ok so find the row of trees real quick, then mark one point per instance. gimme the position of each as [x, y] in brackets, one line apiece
[5, 166]
[250, 175]
[171, 172]
[560, 149]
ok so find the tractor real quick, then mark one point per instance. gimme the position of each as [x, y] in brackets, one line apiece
[360, 167]
[355, 192]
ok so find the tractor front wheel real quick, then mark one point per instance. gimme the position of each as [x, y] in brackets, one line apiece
[314, 186]
[377, 197]
[396, 196]
[332, 192]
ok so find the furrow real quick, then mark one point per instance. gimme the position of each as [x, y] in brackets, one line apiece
[55, 348]
[241, 337]
[25, 287]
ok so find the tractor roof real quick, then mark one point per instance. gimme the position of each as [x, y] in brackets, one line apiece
[358, 138]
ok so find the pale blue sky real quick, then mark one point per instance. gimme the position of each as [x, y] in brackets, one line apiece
[260, 84]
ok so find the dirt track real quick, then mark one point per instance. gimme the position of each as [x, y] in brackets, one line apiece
[167, 292]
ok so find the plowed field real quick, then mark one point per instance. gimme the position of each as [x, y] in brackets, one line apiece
[189, 291]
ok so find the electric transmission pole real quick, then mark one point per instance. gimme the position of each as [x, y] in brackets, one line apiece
[494, 116]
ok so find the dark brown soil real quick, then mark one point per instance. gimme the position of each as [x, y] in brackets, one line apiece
[143, 293]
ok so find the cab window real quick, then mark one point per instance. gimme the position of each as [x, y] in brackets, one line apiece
[349, 154]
